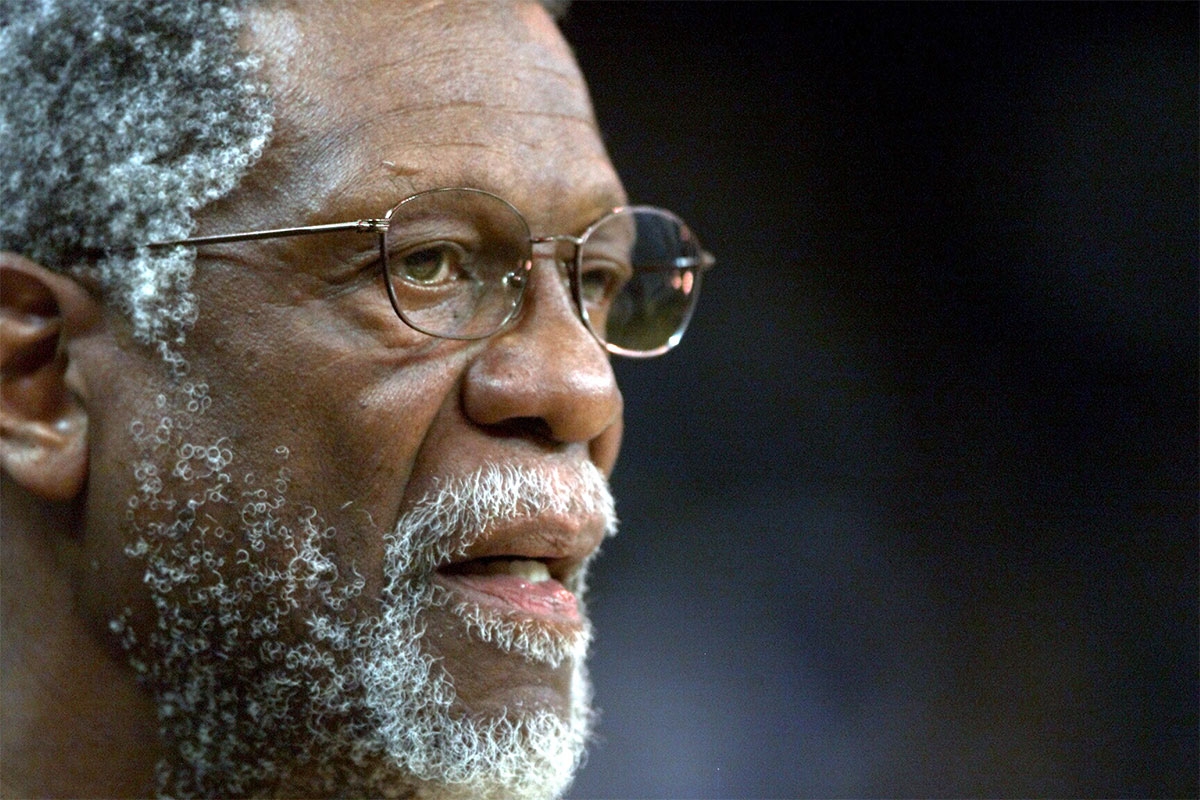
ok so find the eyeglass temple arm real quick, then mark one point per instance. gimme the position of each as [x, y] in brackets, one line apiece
[357, 226]
[704, 261]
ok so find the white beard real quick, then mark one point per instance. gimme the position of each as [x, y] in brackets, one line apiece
[409, 698]
[354, 704]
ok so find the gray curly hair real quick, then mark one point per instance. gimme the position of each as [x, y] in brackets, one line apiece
[118, 120]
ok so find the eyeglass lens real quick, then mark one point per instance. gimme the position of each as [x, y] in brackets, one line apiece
[457, 262]
[657, 261]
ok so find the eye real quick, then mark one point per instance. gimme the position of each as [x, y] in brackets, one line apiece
[600, 281]
[430, 264]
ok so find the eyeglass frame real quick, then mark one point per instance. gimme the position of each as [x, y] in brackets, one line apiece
[380, 225]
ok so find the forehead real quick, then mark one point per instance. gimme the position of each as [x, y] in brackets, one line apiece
[377, 100]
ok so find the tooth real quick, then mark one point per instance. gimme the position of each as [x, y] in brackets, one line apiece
[532, 571]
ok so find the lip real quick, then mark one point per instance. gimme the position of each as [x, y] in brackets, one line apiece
[546, 601]
[560, 541]
[563, 543]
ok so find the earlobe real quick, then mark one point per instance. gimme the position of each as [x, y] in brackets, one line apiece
[43, 422]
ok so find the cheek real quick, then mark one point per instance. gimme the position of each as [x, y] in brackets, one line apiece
[337, 381]
[271, 440]
[348, 432]
[334, 398]
[120, 398]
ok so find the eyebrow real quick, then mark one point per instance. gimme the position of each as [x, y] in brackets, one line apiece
[593, 198]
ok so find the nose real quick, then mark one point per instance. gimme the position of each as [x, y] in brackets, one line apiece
[546, 376]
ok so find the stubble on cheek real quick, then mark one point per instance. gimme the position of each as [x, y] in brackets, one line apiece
[235, 579]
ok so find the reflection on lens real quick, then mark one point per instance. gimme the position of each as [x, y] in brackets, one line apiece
[651, 306]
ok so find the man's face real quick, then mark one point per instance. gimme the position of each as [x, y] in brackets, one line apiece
[266, 536]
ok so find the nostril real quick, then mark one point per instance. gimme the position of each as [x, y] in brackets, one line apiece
[534, 429]
[529, 427]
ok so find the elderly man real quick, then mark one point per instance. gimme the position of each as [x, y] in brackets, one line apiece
[307, 402]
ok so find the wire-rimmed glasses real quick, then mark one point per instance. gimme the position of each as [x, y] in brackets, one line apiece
[456, 264]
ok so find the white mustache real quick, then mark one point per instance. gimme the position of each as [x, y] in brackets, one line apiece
[462, 509]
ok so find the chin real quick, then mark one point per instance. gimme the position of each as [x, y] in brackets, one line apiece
[532, 755]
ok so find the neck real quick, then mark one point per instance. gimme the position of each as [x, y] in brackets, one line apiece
[75, 721]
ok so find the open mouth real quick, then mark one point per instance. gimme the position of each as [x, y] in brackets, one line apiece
[518, 585]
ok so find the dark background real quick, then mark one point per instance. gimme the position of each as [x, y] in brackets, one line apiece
[913, 510]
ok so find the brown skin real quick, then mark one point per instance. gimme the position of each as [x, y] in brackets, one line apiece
[373, 101]
[66, 698]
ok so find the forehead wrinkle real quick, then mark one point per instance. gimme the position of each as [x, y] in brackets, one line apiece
[390, 174]
[522, 75]
[572, 78]
[478, 105]
[491, 94]
[484, 146]
[334, 139]
[512, 104]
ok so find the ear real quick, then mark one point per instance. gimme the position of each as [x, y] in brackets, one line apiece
[43, 422]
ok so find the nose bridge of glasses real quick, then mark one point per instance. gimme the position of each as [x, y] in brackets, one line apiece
[557, 246]
[559, 238]
[561, 249]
